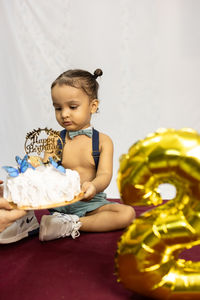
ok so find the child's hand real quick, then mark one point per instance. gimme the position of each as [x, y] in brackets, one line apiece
[89, 190]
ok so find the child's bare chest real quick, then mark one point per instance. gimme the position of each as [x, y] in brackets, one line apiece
[77, 153]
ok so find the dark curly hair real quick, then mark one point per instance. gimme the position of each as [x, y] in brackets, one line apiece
[80, 79]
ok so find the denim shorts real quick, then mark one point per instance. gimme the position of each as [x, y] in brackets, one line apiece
[81, 208]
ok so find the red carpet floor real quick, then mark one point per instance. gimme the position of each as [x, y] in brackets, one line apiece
[65, 268]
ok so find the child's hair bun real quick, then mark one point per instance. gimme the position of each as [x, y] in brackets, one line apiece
[97, 73]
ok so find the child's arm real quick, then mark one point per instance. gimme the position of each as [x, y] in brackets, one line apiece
[104, 172]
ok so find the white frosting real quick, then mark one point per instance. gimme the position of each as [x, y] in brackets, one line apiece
[43, 186]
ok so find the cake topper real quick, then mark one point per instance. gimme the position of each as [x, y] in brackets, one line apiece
[23, 165]
[44, 141]
[56, 165]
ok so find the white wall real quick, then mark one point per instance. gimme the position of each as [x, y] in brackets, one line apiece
[149, 51]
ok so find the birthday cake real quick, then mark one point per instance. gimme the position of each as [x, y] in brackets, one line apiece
[45, 186]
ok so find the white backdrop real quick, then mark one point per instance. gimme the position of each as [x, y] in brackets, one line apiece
[149, 51]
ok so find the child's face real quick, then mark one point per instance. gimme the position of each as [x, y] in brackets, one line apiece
[73, 107]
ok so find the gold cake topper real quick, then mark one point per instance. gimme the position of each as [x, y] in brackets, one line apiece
[46, 141]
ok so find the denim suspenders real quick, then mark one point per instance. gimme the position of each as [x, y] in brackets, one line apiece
[95, 145]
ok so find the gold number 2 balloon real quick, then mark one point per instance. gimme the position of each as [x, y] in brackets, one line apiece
[147, 259]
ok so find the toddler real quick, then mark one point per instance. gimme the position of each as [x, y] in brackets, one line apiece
[90, 153]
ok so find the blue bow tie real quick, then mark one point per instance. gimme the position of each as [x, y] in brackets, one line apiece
[87, 131]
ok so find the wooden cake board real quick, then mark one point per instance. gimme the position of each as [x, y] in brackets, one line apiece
[52, 205]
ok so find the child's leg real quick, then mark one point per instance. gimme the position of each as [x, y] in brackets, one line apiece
[107, 218]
